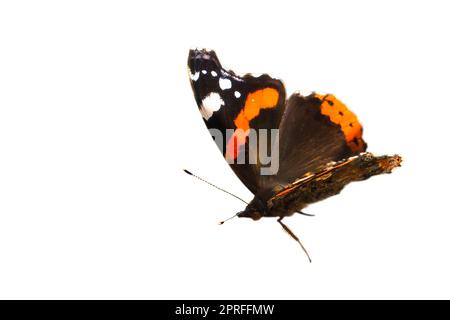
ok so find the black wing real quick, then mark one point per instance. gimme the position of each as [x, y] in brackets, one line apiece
[228, 101]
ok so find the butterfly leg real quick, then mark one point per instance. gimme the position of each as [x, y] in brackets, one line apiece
[306, 214]
[289, 232]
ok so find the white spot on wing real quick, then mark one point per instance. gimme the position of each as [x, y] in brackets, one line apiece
[211, 103]
[214, 74]
[224, 83]
[237, 94]
[194, 76]
[204, 71]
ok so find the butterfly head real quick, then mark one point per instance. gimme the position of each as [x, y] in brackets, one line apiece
[255, 210]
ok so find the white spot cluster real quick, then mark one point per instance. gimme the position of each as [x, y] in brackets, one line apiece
[210, 104]
[224, 83]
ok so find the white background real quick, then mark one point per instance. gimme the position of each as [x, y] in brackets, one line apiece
[97, 121]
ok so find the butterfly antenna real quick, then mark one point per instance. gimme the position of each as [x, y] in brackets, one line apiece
[234, 216]
[201, 179]
[289, 232]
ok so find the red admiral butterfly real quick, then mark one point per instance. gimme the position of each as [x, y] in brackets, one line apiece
[314, 141]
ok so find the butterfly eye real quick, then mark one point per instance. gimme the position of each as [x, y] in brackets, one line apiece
[253, 214]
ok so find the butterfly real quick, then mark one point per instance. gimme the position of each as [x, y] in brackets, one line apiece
[289, 152]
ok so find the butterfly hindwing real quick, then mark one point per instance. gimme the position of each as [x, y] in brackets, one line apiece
[315, 130]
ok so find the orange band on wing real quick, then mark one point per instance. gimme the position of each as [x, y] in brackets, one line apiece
[266, 98]
[342, 116]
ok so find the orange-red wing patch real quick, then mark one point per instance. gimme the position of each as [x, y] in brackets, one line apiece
[347, 120]
[266, 98]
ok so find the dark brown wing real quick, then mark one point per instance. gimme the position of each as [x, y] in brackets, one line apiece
[315, 130]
